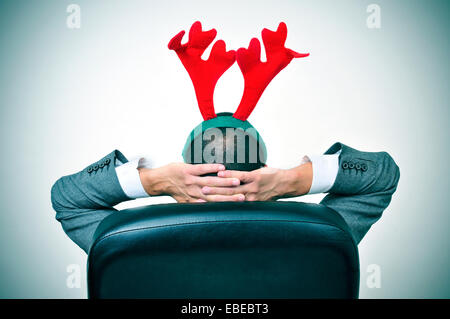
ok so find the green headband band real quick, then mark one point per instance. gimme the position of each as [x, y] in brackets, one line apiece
[224, 120]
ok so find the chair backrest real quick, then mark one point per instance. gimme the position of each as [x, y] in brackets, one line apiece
[224, 250]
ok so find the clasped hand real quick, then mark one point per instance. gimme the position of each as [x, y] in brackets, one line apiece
[186, 183]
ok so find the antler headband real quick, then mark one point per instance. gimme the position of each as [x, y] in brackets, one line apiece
[257, 74]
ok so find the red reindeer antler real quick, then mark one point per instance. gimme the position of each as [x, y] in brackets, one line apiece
[258, 74]
[204, 74]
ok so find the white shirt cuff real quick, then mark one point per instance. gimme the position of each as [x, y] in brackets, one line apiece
[325, 169]
[129, 179]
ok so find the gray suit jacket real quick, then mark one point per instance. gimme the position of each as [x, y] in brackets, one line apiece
[363, 189]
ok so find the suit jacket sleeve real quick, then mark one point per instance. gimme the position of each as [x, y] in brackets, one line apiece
[363, 187]
[84, 199]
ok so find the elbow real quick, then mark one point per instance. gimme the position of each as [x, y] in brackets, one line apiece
[55, 195]
[391, 172]
[58, 200]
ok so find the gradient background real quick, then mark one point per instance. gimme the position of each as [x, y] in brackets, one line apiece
[70, 96]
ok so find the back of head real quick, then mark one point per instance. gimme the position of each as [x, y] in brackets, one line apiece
[226, 140]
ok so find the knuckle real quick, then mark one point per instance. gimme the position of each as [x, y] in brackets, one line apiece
[212, 198]
[192, 191]
[185, 171]
[208, 190]
[227, 182]
[188, 180]
[227, 174]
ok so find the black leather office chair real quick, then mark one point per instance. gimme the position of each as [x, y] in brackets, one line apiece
[224, 250]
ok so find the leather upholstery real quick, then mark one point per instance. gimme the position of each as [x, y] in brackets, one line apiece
[224, 250]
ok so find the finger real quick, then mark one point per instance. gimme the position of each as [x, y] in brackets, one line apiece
[225, 198]
[244, 177]
[207, 190]
[216, 181]
[200, 200]
[201, 169]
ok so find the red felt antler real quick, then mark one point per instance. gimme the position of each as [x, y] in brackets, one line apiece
[204, 74]
[257, 74]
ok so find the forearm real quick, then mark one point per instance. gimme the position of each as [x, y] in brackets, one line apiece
[363, 188]
[84, 199]
[94, 187]
[155, 181]
[295, 181]
[364, 172]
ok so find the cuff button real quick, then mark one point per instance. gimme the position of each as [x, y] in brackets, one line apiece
[345, 165]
